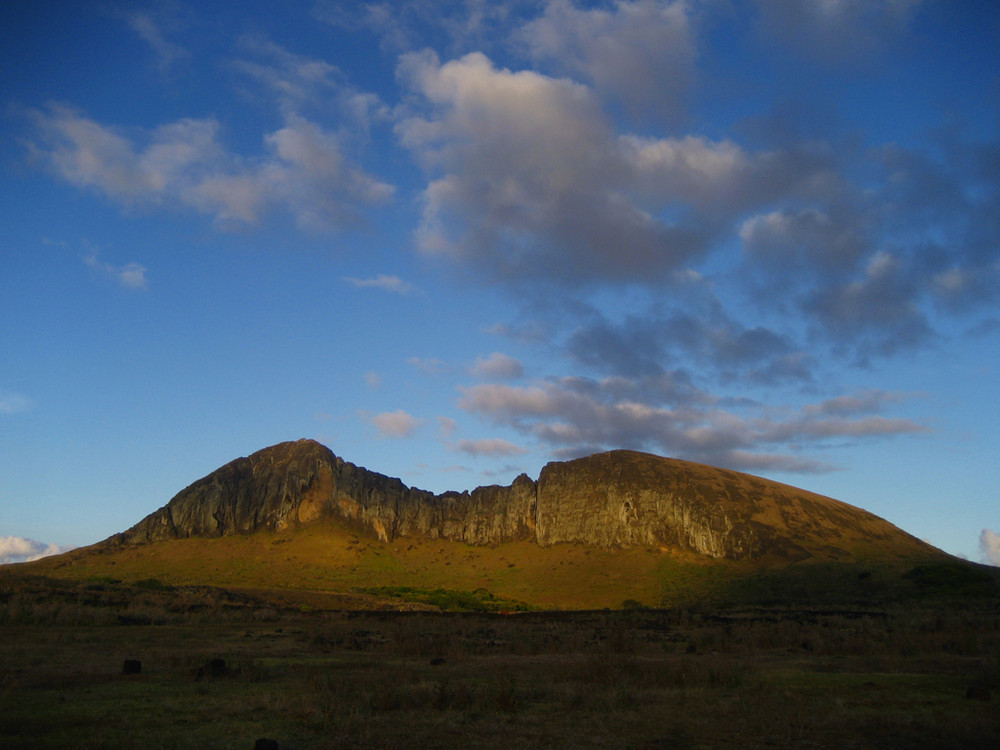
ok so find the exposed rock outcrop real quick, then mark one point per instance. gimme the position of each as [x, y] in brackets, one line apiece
[615, 499]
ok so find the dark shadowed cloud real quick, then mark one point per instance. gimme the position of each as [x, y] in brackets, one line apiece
[578, 415]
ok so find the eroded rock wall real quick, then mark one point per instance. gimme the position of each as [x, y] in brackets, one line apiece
[297, 483]
[617, 499]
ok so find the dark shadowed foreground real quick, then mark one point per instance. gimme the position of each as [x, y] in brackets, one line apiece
[220, 670]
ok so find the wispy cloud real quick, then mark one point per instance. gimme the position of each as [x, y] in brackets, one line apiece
[382, 281]
[184, 165]
[447, 427]
[836, 31]
[151, 30]
[577, 415]
[14, 403]
[492, 447]
[130, 275]
[429, 365]
[20, 549]
[497, 366]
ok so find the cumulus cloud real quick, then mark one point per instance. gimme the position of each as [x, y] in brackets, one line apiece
[640, 53]
[989, 546]
[130, 276]
[382, 281]
[497, 366]
[20, 549]
[531, 183]
[394, 424]
[806, 240]
[312, 177]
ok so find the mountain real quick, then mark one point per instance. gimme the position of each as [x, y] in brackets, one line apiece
[616, 500]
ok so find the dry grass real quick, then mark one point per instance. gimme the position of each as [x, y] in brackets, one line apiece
[330, 558]
[754, 677]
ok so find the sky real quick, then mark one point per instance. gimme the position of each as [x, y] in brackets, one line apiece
[454, 240]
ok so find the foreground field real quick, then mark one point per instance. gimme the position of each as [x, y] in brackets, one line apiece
[221, 669]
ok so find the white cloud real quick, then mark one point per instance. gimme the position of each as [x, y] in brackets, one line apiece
[382, 281]
[497, 366]
[14, 403]
[989, 546]
[183, 165]
[310, 174]
[532, 183]
[130, 276]
[20, 549]
[529, 182]
[372, 379]
[395, 424]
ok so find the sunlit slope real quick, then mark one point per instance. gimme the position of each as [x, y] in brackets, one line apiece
[593, 532]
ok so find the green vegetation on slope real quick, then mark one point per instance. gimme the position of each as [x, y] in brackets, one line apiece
[329, 558]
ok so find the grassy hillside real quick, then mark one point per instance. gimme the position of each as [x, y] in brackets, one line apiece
[330, 559]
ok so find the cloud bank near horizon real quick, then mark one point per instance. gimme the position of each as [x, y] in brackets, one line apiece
[15, 549]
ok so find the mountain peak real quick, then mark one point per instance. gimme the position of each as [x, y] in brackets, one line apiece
[617, 499]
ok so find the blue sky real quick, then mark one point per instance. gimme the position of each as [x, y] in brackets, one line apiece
[456, 240]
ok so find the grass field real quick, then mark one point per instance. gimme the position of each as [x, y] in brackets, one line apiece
[311, 676]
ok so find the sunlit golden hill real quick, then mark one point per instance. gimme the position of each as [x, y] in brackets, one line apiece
[613, 527]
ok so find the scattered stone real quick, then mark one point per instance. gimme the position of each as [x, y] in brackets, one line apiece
[215, 668]
[132, 666]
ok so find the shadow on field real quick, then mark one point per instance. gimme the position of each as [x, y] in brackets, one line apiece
[219, 669]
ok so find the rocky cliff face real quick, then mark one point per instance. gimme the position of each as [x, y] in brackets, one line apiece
[615, 499]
